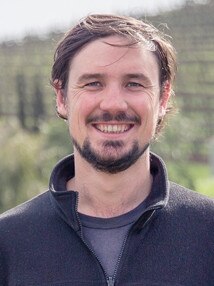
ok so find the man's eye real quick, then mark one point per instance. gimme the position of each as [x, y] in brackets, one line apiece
[134, 84]
[93, 84]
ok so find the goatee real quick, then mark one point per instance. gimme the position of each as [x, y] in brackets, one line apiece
[110, 164]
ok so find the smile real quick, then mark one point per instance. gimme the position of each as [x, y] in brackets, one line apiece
[113, 128]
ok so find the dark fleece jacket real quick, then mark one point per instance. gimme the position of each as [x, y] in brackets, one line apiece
[171, 244]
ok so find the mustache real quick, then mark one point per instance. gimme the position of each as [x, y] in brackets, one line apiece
[120, 117]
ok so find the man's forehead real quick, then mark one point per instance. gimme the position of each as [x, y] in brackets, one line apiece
[114, 42]
[118, 41]
[116, 47]
[113, 55]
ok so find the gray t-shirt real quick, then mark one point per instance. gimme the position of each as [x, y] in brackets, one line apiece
[106, 236]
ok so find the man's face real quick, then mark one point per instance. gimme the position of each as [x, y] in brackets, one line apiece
[112, 102]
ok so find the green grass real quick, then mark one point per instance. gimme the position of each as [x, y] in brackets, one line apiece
[205, 186]
[195, 176]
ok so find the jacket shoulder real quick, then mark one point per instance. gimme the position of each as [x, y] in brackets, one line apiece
[189, 202]
[25, 211]
[181, 193]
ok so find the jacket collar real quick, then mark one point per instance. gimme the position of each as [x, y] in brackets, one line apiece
[65, 202]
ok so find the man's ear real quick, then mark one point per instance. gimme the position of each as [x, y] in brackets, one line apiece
[165, 96]
[61, 106]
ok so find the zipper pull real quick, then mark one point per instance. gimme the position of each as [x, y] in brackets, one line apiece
[110, 281]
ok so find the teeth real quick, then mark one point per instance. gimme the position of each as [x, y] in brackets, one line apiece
[112, 128]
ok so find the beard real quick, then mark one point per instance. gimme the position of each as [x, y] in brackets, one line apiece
[110, 163]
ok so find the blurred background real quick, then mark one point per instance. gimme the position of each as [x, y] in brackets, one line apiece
[32, 138]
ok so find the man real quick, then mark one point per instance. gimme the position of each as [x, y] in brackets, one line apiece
[110, 216]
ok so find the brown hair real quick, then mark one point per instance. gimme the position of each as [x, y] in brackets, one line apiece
[99, 26]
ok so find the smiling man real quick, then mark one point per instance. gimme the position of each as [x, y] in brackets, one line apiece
[112, 103]
[111, 216]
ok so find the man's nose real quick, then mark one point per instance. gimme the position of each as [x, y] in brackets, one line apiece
[113, 100]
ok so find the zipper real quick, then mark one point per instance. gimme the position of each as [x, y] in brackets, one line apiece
[110, 280]
[120, 256]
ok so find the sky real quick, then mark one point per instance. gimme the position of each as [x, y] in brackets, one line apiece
[19, 18]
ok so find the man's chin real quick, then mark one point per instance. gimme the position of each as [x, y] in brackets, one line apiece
[111, 159]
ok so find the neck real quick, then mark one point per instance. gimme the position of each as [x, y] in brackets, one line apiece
[109, 195]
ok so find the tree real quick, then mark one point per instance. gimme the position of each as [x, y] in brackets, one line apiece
[21, 92]
[37, 103]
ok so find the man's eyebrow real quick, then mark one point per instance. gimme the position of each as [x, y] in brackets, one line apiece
[139, 76]
[89, 76]
[93, 76]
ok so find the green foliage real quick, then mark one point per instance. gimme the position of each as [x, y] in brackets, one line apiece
[27, 160]
[192, 34]
[205, 186]
[18, 172]
[21, 92]
[197, 177]
[176, 141]
[56, 144]
[37, 104]
[176, 147]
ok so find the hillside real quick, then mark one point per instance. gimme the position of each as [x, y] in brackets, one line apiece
[192, 33]
[26, 69]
